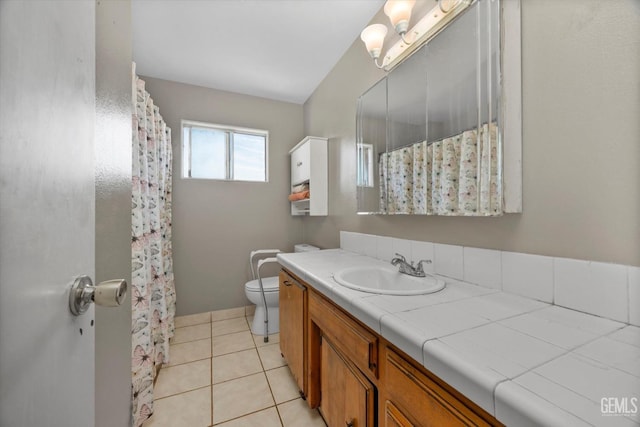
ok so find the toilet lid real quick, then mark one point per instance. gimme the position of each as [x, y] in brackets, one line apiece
[270, 284]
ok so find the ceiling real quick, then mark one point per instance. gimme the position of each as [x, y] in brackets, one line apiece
[276, 49]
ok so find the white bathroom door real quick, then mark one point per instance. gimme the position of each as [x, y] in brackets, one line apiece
[47, 213]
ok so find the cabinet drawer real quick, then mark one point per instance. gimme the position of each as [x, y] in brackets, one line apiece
[358, 344]
[421, 400]
[301, 164]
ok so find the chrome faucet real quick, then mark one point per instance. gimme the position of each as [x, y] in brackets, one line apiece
[406, 268]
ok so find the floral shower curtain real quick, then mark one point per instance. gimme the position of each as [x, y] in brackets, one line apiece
[153, 292]
[443, 177]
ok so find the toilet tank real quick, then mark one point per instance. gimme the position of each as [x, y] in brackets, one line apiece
[303, 247]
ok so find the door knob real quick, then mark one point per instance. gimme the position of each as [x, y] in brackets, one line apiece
[107, 294]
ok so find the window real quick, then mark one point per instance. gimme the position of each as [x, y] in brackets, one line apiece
[224, 153]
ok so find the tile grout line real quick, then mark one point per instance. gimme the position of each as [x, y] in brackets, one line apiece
[237, 378]
[231, 352]
[255, 347]
[211, 381]
[244, 376]
[264, 371]
[279, 415]
[186, 342]
[184, 363]
[155, 399]
[195, 324]
[245, 415]
[230, 333]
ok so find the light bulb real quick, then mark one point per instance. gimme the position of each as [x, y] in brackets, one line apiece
[373, 38]
[399, 13]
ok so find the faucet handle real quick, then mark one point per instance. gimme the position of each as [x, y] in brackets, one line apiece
[419, 266]
[401, 257]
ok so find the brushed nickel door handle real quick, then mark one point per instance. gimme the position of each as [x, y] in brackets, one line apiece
[110, 293]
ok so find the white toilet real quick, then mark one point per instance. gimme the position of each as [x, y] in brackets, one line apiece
[270, 285]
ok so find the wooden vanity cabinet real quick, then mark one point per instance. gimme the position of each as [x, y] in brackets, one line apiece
[357, 378]
[348, 397]
[352, 339]
[342, 367]
[293, 312]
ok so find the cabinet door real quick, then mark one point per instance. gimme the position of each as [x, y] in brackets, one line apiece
[301, 164]
[347, 396]
[292, 300]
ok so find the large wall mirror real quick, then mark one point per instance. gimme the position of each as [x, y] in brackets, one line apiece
[431, 135]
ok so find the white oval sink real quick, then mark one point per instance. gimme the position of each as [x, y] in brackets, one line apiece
[386, 281]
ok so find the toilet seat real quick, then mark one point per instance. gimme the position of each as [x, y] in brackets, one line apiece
[270, 284]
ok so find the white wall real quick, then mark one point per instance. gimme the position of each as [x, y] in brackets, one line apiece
[216, 223]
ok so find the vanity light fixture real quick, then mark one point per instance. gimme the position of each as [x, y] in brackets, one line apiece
[447, 6]
[399, 13]
[373, 38]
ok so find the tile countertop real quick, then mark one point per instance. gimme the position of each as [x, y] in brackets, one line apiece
[526, 362]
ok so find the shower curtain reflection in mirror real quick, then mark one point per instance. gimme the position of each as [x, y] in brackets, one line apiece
[435, 121]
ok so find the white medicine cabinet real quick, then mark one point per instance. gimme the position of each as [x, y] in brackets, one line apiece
[309, 177]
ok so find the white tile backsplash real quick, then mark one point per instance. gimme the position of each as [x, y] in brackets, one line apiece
[528, 275]
[634, 295]
[385, 248]
[483, 267]
[363, 244]
[449, 260]
[592, 287]
[370, 243]
[348, 241]
[402, 247]
[357, 242]
[607, 290]
[423, 251]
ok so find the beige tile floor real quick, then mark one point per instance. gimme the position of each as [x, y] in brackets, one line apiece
[220, 374]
